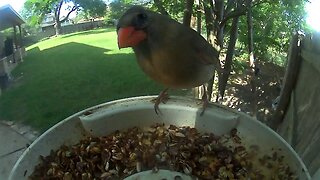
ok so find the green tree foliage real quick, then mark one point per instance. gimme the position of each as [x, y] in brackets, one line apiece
[38, 9]
[31, 26]
[274, 22]
[118, 7]
[174, 8]
[93, 8]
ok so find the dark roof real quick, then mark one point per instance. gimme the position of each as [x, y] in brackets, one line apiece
[9, 17]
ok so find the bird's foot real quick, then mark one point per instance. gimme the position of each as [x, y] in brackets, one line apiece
[204, 105]
[205, 101]
[162, 98]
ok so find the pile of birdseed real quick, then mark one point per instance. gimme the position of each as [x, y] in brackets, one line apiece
[182, 149]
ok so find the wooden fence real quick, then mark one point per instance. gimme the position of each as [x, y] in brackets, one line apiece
[297, 118]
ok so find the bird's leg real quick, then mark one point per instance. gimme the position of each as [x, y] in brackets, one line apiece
[162, 98]
[204, 100]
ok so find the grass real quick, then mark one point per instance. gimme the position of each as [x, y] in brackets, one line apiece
[66, 74]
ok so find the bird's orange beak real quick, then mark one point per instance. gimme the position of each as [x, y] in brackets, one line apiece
[129, 37]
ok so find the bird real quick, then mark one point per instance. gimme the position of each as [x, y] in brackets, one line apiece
[169, 52]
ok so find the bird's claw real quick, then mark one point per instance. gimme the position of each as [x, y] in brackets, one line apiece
[156, 109]
[205, 101]
[204, 106]
[162, 98]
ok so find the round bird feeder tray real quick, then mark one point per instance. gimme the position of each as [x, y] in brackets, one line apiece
[122, 114]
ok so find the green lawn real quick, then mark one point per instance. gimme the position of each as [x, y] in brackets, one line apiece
[66, 74]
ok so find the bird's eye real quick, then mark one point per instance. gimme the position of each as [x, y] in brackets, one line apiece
[141, 20]
[142, 16]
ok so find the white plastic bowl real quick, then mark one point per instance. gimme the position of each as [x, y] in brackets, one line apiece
[122, 114]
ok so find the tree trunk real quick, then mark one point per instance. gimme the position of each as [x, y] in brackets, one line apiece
[215, 24]
[214, 32]
[209, 23]
[252, 78]
[160, 7]
[57, 27]
[197, 90]
[211, 38]
[219, 9]
[57, 24]
[219, 33]
[58, 21]
[187, 12]
[229, 56]
[198, 16]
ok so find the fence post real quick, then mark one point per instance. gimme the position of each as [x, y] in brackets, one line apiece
[290, 78]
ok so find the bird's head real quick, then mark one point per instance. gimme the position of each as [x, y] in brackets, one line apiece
[131, 28]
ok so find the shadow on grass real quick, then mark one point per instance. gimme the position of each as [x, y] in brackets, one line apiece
[90, 32]
[65, 79]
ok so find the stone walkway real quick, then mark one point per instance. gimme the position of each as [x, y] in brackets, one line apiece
[14, 138]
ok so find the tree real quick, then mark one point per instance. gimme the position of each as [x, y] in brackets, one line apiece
[187, 12]
[273, 30]
[31, 26]
[117, 8]
[229, 56]
[40, 8]
[199, 18]
[252, 63]
[160, 7]
[217, 14]
[93, 8]
[175, 9]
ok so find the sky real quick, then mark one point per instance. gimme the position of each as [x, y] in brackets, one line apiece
[18, 5]
[312, 8]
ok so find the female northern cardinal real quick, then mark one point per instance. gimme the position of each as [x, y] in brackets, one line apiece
[169, 52]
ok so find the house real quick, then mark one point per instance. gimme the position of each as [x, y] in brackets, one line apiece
[48, 23]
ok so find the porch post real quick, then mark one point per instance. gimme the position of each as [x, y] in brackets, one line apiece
[20, 36]
[15, 43]
[15, 40]
[21, 44]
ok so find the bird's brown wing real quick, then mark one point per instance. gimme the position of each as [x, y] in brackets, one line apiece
[207, 53]
[182, 39]
[193, 41]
